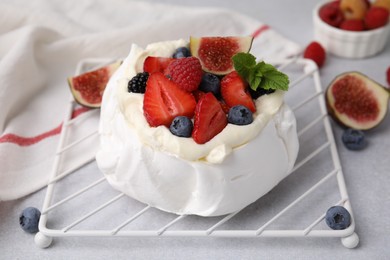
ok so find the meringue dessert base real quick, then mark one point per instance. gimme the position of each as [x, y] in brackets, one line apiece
[224, 180]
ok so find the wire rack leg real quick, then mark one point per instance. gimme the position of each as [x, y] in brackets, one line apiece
[350, 241]
[42, 240]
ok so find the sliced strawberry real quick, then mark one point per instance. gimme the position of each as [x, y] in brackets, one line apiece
[156, 64]
[235, 92]
[225, 107]
[210, 119]
[164, 100]
[198, 94]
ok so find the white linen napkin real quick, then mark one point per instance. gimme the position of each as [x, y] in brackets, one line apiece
[41, 43]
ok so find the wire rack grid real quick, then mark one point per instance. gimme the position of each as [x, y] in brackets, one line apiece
[317, 180]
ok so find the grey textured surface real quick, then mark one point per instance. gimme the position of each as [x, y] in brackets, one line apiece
[367, 175]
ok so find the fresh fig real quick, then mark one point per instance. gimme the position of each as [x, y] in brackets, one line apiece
[356, 101]
[87, 88]
[215, 53]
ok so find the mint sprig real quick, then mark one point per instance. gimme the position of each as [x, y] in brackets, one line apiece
[261, 74]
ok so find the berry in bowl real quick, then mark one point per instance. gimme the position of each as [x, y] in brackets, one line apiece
[352, 28]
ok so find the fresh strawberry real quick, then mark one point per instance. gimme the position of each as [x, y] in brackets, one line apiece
[186, 72]
[156, 64]
[352, 25]
[388, 76]
[235, 91]
[198, 94]
[376, 17]
[164, 100]
[225, 107]
[315, 52]
[209, 119]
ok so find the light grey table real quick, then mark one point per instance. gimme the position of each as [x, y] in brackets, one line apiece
[367, 175]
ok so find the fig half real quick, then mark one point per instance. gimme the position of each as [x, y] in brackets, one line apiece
[356, 101]
[87, 88]
[215, 53]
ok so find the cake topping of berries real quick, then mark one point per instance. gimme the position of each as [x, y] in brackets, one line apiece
[209, 119]
[138, 83]
[164, 100]
[191, 102]
[186, 72]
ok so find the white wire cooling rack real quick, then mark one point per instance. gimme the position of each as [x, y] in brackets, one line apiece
[86, 206]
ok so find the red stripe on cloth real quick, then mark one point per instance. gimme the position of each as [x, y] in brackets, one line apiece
[27, 141]
[260, 30]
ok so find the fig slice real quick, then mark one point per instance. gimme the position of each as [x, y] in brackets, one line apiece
[87, 88]
[356, 101]
[215, 53]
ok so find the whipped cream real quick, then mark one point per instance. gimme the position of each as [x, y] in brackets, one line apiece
[175, 174]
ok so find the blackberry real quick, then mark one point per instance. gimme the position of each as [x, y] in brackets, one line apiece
[138, 83]
[259, 92]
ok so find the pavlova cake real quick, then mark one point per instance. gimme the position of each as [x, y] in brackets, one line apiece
[196, 127]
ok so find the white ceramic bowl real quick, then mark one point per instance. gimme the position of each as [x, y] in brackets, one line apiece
[349, 44]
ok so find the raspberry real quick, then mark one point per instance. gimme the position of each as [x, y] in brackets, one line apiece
[186, 73]
[331, 14]
[315, 52]
[352, 25]
[376, 17]
[138, 83]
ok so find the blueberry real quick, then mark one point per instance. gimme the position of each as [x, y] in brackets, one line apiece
[338, 217]
[240, 115]
[210, 83]
[181, 126]
[354, 139]
[29, 219]
[181, 52]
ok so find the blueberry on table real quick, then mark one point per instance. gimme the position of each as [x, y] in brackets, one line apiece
[354, 139]
[29, 219]
[210, 83]
[240, 115]
[181, 52]
[181, 126]
[338, 218]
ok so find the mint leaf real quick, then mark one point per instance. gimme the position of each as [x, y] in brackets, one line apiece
[274, 79]
[255, 78]
[244, 63]
[259, 75]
